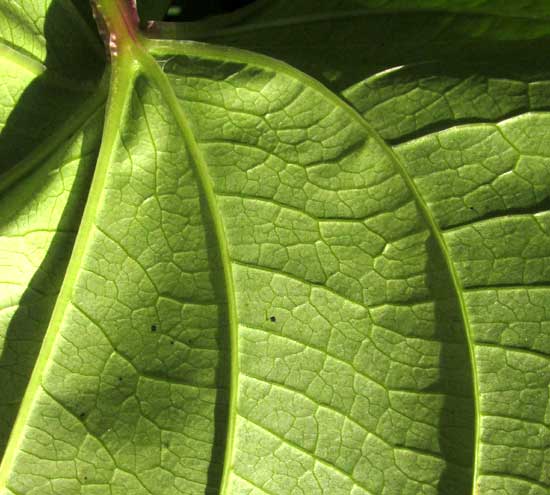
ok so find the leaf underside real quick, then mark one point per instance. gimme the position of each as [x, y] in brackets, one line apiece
[239, 276]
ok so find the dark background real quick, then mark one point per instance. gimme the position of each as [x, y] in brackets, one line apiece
[191, 10]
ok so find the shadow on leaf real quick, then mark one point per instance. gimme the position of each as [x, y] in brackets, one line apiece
[69, 78]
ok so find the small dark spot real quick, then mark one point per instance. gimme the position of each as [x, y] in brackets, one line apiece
[153, 328]
[272, 318]
[85, 478]
[166, 445]
[119, 378]
[82, 414]
[172, 342]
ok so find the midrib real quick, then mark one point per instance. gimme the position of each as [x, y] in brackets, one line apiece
[124, 72]
[163, 47]
[125, 75]
[152, 70]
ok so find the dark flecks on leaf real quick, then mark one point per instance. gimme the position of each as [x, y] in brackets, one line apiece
[153, 328]
[272, 318]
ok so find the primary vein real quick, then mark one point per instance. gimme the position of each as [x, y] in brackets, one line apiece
[151, 69]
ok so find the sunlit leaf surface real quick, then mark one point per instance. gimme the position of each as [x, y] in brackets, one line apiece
[308, 254]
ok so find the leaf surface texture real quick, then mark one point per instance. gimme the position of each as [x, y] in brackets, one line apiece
[328, 277]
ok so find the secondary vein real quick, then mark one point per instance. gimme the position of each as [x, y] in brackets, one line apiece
[39, 156]
[123, 73]
[440, 240]
[21, 59]
[455, 281]
[163, 47]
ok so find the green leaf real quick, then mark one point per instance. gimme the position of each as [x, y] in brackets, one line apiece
[327, 277]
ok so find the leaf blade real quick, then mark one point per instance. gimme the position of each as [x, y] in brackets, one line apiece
[371, 355]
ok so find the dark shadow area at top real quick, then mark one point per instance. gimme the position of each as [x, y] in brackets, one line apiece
[341, 51]
[456, 427]
[41, 109]
[190, 10]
